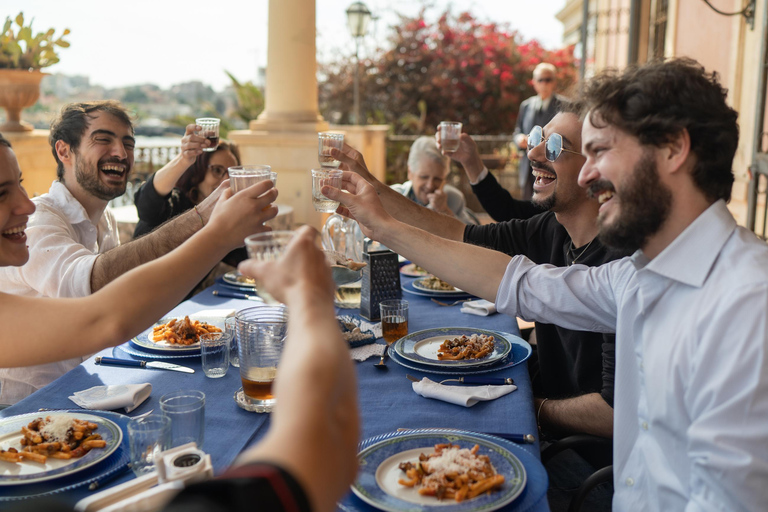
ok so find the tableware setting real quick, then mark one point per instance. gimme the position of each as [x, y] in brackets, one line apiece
[144, 342]
[422, 347]
[119, 396]
[519, 352]
[237, 279]
[410, 287]
[32, 480]
[149, 365]
[465, 396]
[413, 270]
[379, 457]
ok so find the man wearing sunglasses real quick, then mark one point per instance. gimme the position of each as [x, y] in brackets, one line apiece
[688, 307]
[535, 111]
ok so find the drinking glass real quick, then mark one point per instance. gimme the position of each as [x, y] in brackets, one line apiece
[209, 128]
[267, 247]
[320, 178]
[273, 177]
[230, 326]
[243, 176]
[261, 333]
[148, 436]
[325, 142]
[186, 409]
[450, 135]
[394, 319]
[214, 348]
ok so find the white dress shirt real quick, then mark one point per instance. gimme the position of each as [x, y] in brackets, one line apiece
[63, 246]
[691, 404]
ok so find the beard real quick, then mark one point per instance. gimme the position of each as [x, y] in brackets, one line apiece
[548, 202]
[644, 205]
[89, 180]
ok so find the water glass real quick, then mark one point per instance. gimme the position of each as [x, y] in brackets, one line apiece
[148, 436]
[394, 319]
[210, 130]
[267, 246]
[230, 327]
[325, 142]
[243, 176]
[320, 178]
[450, 135]
[186, 409]
[214, 348]
[261, 332]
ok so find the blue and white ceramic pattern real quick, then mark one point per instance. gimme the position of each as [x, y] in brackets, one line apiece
[376, 482]
[421, 347]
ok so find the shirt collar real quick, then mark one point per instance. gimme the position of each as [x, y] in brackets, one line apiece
[690, 256]
[544, 104]
[71, 207]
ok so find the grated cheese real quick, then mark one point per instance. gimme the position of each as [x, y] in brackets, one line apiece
[451, 460]
[56, 428]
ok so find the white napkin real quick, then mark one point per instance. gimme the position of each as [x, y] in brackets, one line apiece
[212, 313]
[460, 395]
[109, 398]
[480, 307]
[366, 351]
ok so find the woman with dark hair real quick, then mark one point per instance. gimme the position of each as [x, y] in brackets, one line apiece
[184, 182]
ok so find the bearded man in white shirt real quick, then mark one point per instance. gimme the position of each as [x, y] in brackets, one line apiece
[688, 307]
[73, 240]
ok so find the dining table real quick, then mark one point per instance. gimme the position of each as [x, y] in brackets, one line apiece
[387, 401]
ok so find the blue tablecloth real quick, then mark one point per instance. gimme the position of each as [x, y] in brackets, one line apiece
[386, 399]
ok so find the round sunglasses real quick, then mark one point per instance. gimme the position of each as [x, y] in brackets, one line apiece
[553, 144]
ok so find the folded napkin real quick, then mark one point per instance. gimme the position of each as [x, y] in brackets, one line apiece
[366, 351]
[108, 398]
[480, 307]
[460, 395]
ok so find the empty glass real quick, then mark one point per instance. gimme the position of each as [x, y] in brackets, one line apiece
[214, 348]
[325, 142]
[186, 409]
[210, 130]
[230, 326]
[320, 178]
[148, 436]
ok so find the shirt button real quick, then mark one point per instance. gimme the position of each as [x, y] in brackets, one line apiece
[644, 425]
[630, 482]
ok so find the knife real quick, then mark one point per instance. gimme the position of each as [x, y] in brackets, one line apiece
[233, 295]
[492, 381]
[515, 438]
[143, 364]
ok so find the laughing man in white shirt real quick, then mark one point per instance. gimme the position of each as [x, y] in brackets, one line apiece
[688, 308]
[73, 240]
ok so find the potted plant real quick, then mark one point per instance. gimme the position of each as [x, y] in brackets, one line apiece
[22, 55]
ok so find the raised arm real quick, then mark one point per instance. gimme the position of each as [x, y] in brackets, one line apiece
[314, 431]
[399, 206]
[41, 330]
[471, 268]
[191, 147]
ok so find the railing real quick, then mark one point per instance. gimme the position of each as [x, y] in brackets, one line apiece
[497, 151]
[146, 161]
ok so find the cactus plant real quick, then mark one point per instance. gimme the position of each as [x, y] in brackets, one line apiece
[37, 52]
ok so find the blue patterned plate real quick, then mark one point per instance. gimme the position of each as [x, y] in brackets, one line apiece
[31, 472]
[376, 482]
[520, 353]
[144, 342]
[421, 347]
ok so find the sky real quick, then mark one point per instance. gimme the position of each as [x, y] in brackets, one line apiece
[170, 41]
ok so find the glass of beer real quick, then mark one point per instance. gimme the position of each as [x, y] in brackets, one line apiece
[394, 319]
[261, 333]
[450, 135]
[243, 176]
[210, 130]
[320, 178]
[325, 142]
[267, 246]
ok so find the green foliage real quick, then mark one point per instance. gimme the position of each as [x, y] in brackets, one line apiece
[456, 68]
[250, 100]
[37, 52]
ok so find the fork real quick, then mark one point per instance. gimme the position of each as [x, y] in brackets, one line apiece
[451, 303]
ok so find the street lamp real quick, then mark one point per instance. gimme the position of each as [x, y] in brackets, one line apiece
[358, 17]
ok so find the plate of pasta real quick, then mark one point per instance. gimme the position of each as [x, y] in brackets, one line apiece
[178, 334]
[450, 470]
[453, 347]
[42, 446]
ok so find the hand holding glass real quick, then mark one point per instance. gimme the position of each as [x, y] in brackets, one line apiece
[325, 142]
[243, 176]
[450, 135]
[267, 246]
[320, 178]
[209, 128]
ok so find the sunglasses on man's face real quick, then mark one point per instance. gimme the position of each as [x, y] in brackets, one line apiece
[545, 80]
[553, 144]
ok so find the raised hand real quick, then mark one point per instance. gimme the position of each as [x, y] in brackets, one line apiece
[192, 145]
[359, 201]
[236, 216]
[352, 160]
[467, 155]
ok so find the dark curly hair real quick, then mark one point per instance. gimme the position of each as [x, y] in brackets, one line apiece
[656, 101]
[72, 121]
[195, 174]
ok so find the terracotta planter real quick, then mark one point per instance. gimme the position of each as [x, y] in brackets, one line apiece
[19, 89]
